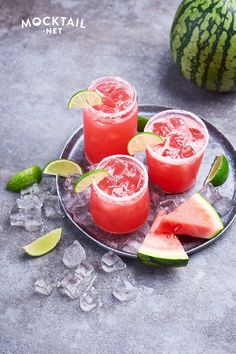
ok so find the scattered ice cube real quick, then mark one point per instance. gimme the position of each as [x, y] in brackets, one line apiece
[124, 290]
[48, 184]
[74, 255]
[30, 219]
[85, 269]
[132, 244]
[112, 263]
[29, 201]
[168, 205]
[43, 287]
[223, 205]
[211, 193]
[34, 189]
[52, 208]
[17, 216]
[89, 301]
[75, 285]
[82, 217]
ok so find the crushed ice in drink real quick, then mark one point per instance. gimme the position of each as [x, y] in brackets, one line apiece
[90, 300]
[52, 208]
[74, 285]
[168, 205]
[124, 290]
[43, 287]
[187, 151]
[74, 255]
[85, 269]
[162, 128]
[111, 262]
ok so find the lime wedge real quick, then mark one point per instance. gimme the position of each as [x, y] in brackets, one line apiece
[140, 141]
[88, 178]
[85, 98]
[43, 244]
[142, 121]
[62, 168]
[25, 179]
[219, 171]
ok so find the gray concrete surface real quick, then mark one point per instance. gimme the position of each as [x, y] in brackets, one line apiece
[192, 310]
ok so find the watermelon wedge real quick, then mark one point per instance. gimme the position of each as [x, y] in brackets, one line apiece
[196, 217]
[162, 250]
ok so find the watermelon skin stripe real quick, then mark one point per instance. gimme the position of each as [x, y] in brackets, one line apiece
[203, 43]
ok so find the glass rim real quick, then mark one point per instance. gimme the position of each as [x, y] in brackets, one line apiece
[167, 159]
[129, 197]
[116, 114]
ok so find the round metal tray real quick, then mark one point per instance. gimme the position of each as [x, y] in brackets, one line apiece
[74, 150]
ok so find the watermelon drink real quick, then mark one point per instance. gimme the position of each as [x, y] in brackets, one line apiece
[174, 164]
[108, 127]
[120, 203]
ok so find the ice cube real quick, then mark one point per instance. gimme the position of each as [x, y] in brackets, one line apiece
[177, 140]
[74, 255]
[124, 290]
[144, 229]
[151, 216]
[196, 134]
[69, 182]
[33, 220]
[162, 128]
[52, 208]
[112, 263]
[132, 244]
[29, 201]
[187, 151]
[223, 205]
[17, 216]
[43, 287]
[211, 193]
[168, 205]
[172, 153]
[73, 201]
[73, 285]
[178, 122]
[34, 189]
[85, 269]
[48, 184]
[82, 217]
[89, 301]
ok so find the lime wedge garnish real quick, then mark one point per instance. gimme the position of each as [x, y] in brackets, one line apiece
[219, 171]
[43, 244]
[142, 121]
[88, 178]
[62, 168]
[140, 141]
[25, 179]
[85, 98]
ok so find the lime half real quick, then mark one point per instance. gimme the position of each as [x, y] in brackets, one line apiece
[88, 178]
[142, 121]
[85, 98]
[25, 179]
[219, 171]
[43, 244]
[140, 141]
[62, 168]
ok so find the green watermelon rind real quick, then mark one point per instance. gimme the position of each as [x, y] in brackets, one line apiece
[213, 212]
[161, 262]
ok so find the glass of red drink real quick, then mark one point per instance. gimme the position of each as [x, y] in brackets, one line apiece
[120, 203]
[174, 165]
[109, 127]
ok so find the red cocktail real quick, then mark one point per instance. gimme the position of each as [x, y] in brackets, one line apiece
[120, 203]
[109, 127]
[174, 164]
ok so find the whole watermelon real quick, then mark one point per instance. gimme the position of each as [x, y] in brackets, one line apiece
[203, 43]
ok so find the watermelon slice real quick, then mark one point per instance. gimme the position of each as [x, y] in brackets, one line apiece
[162, 250]
[196, 217]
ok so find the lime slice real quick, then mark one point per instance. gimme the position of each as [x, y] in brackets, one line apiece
[43, 244]
[219, 171]
[88, 178]
[25, 179]
[140, 141]
[142, 121]
[62, 168]
[85, 98]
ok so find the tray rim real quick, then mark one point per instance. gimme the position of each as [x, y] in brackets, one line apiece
[146, 107]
